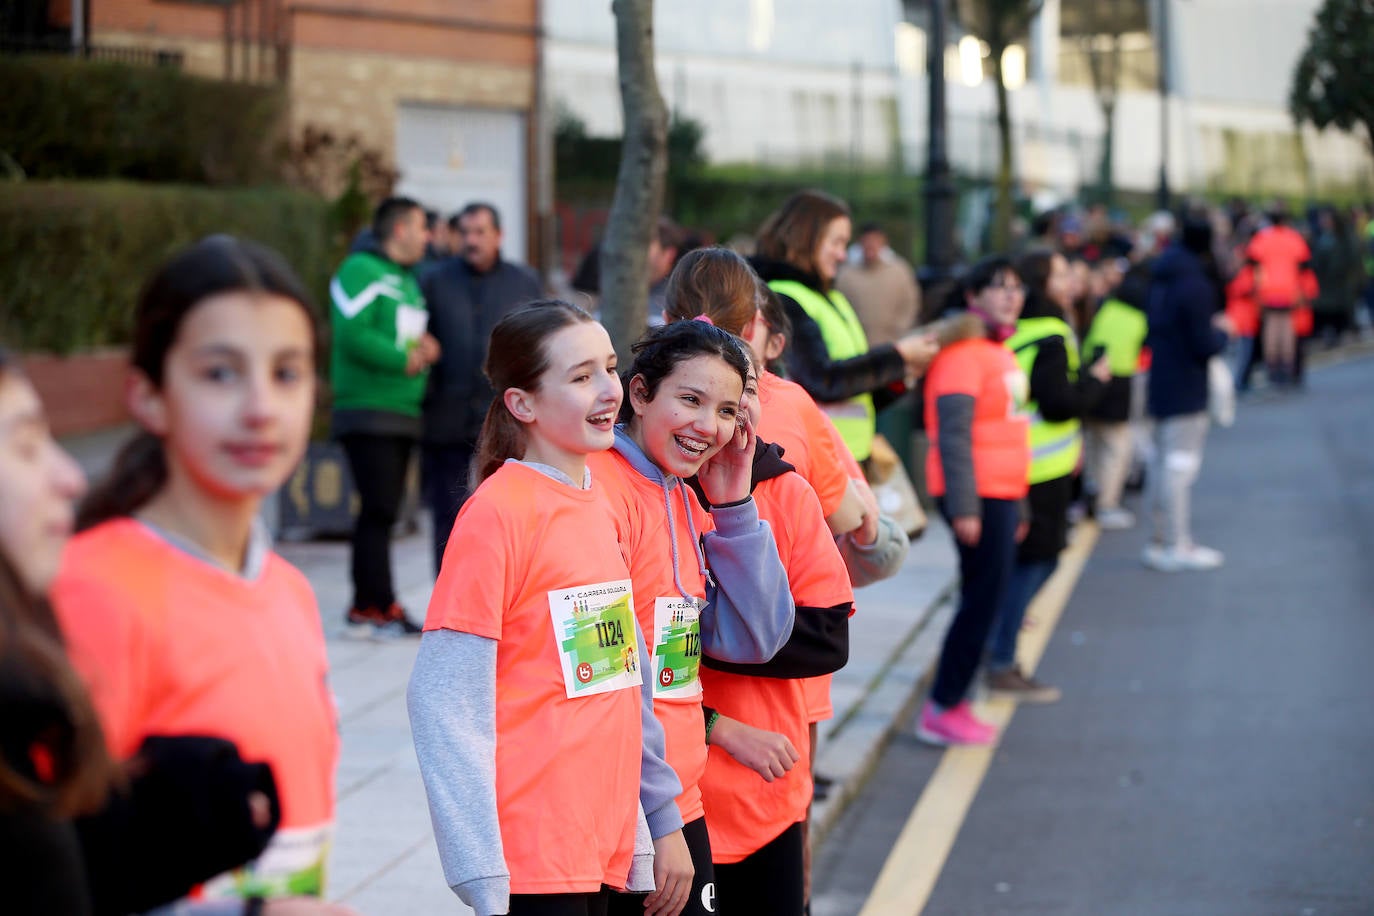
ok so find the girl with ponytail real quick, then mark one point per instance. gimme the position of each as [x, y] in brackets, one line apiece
[525, 701]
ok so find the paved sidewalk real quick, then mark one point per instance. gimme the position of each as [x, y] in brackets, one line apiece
[384, 859]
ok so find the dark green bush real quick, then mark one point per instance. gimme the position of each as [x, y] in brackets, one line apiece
[70, 118]
[74, 255]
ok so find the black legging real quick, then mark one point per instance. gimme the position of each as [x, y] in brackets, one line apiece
[769, 882]
[378, 465]
[593, 904]
[702, 901]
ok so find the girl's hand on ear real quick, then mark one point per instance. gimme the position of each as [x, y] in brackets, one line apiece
[726, 475]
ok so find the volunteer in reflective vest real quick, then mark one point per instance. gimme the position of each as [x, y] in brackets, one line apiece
[1118, 333]
[1046, 349]
[800, 248]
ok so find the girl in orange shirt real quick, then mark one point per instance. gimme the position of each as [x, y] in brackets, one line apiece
[525, 702]
[722, 594]
[177, 612]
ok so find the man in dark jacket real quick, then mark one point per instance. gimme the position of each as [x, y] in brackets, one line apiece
[1187, 328]
[467, 295]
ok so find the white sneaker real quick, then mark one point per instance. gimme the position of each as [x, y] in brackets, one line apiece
[1182, 558]
[1115, 519]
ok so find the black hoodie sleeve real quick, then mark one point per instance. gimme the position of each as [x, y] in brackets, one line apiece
[1058, 397]
[819, 644]
[809, 363]
[184, 818]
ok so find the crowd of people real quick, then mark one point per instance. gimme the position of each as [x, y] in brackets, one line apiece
[645, 574]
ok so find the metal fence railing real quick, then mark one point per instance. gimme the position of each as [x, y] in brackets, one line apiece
[124, 54]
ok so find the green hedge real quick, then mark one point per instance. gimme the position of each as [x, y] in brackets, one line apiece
[71, 118]
[76, 254]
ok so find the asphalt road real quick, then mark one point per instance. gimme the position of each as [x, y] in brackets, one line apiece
[1214, 751]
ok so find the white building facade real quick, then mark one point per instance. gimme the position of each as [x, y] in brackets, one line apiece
[789, 82]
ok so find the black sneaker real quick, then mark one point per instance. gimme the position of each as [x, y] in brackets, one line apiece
[374, 623]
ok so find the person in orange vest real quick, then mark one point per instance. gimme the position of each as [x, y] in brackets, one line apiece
[179, 615]
[977, 469]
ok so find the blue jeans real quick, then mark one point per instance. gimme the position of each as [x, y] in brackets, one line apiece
[983, 573]
[1022, 585]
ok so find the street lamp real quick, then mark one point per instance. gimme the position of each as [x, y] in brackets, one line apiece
[1162, 56]
[939, 188]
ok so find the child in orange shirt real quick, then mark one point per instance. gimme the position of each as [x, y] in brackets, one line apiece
[525, 702]
[177, 612]
[722, 594]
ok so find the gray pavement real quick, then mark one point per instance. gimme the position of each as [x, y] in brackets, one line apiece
[1211, 753]
[384, 859]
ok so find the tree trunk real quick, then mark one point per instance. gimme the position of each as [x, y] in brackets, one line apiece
[639, 183]
[1001, 222]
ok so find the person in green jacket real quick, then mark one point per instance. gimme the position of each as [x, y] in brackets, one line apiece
[382, 351]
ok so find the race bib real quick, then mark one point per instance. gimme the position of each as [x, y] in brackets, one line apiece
[677, 648]
[292, 865]
[595, 629]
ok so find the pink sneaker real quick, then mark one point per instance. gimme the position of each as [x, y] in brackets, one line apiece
[953, 726]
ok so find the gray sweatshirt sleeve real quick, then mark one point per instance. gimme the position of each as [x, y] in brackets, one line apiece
[955, 413]
[749, 611]
[879, 560]
[452, 705]
[659, 786]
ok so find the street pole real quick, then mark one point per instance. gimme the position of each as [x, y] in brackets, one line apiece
[939, 186]
[1162, 53]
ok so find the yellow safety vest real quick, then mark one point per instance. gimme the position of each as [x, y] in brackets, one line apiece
[1055, 447]
[844, 337]
[1121, 330]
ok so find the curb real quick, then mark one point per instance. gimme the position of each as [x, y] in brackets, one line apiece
[850, 748]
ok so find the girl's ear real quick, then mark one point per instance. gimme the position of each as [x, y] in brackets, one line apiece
[774, 347]
[146, 403]
[639, 394]
[520, 404]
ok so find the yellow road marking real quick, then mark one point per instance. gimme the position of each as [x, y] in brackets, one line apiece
[918, 856]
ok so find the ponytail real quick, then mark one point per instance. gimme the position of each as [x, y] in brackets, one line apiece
[138, 473]
[502, 437]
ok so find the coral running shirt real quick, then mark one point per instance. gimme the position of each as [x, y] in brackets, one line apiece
[637, 503]
[808, 438]
[171, 644]
[743, 812]
[535, 564]
[1279, 254]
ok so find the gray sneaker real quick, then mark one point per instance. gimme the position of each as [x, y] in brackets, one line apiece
[1012, 684]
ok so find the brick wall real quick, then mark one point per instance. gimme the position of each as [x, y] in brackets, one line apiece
[80, 393]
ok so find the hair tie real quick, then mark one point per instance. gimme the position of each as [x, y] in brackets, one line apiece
[706, 319]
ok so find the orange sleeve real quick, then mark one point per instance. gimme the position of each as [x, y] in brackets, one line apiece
[474, 587]
[816, 573]
[829, 472]
[108, 640]
[819, 705]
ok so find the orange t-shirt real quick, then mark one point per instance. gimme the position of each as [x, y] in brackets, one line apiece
[743, 812]
[1001, 437]
[809, 440]
[637, 503]
[171, 644]
[535, 564]
[1279, 255]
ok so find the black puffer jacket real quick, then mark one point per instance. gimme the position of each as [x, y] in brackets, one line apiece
[880, 371]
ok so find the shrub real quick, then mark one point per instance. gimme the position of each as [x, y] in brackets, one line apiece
[71, 118]
[76, 254]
